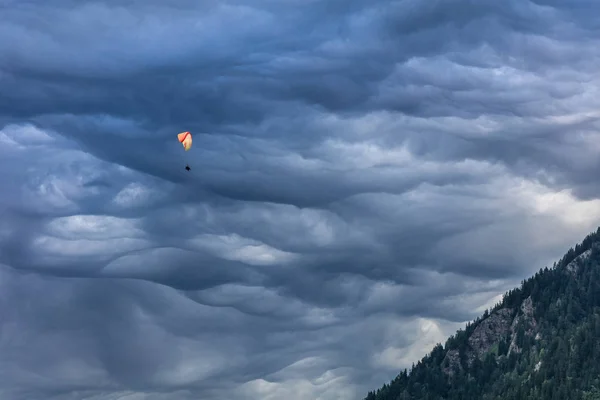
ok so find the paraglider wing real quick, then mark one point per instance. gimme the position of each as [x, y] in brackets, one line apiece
[185, 138]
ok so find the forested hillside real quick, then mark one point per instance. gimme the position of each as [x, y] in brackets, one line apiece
[541, 342]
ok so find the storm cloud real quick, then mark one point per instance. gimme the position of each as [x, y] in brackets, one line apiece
[366, 177]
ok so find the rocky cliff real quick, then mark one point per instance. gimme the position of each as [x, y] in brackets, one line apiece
[500, 325]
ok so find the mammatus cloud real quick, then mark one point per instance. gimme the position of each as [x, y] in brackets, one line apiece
[365, 178]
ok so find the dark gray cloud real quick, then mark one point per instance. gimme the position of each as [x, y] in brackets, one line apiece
[365, 178]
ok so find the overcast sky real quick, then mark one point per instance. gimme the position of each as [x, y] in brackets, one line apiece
[365, 177]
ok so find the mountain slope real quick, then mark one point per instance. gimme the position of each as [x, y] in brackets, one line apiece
[541, 342]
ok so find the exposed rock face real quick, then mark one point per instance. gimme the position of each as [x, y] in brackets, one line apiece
[526, 317]
[574, 265]
[451, 361]
[490, 331]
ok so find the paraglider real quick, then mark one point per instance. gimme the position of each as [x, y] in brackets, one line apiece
[185, 138]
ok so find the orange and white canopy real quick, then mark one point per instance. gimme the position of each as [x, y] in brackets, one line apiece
[185, 138]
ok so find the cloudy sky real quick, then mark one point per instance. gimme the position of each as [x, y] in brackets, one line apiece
[366, 177]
